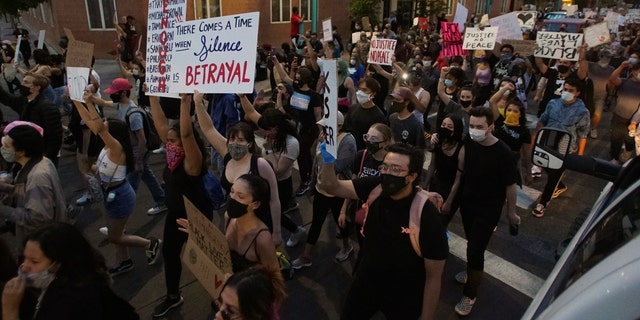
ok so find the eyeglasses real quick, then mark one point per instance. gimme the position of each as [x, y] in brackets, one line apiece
[226, 314]
[367, 137]
[393, 169]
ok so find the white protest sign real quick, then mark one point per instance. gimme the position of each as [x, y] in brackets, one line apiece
[461, 16]
[558, 45]
[480, 39]
[597, 34]
[527, 19]
[207, 252]
[571, 10]
[508, 26]
[216, 55]
[330, 106]
[15, 58]
[327, 32]
[41, 39]
[381, 50]
[77, 81]
[613, 21]
[162, 19]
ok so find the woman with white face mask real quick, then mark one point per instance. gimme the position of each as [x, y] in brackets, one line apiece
[62, 277]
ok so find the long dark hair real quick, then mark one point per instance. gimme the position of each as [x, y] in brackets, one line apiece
[457, 128]
[79, 262]
[120, 131]
[260, 291]
[260, 191]
[247, 132]
[272, 118]
[523, 112]
[199, 142]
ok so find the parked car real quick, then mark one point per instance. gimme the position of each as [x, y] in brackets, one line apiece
[597, 273]
[573, 25]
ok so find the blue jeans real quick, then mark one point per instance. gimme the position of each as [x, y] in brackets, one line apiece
[123, 203]
[149, 179]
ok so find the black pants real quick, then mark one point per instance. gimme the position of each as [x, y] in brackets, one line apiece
[553, 181]
[620, 135]
[321, 206]
[285, 191]
[305, 161]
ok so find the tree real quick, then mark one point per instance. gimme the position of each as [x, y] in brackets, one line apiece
[364, 8]
[13, 7]
[430, 8]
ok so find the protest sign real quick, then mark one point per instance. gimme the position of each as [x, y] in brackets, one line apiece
[423, 23]
[570, 9]
[79, 54]
[597, 34]
[327, 32]
[207, 251]
[558, 45]
[162, 19]
[366, 25]
[215, 55]
[330, 106]
[41, 39]
[68, 33]
[508, 26]
[381, 50]
[480, 39]
[461, 16]
[613, 21]
[522, 47]
[17, 54]
[526, 19]
[451, 39]
[77, 81]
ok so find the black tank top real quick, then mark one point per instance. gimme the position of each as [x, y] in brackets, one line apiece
[240, 262]
[446, 169]
[178, 183]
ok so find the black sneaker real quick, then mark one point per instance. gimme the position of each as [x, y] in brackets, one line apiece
[124, 267]
[304, 188]
[153, 251]
[166, 305]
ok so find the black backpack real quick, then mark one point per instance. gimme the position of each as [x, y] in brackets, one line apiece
[150, 132]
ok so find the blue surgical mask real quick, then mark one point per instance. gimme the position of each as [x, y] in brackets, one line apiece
[505, 56]
[8, 155]
[448, 83]
[567, 96]
[37, 279]
[633, 60]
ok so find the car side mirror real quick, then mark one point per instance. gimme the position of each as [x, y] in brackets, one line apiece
[552, 146]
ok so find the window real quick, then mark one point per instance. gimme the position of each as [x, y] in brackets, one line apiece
[450, 5]
[281, 9]
[45, 13]
[207, 8]
[480, 6]
[100, 13]
[504, 6]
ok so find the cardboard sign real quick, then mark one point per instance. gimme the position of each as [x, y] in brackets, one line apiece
[523, 47]
[162, 19]
[366, 25]
[327, 32]
[508, 26]
[207, 251]
[423, 23]
[526, 19]
[461, 16]
[79, 54]
[330, 105]
[77, 81]
[480, 39]
[68, 33]
[381, 51]
[41, 39]
[597, 34]
[451, 39]
[558, 45]
[571, 10]
[215, 55]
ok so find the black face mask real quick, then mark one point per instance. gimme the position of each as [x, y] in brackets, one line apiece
[397, 106]
[115, 97]
[392, 184]
[444, 133]
[563, 69]
[465, 104]
[25, 91]
[236, 209]
[372, 147]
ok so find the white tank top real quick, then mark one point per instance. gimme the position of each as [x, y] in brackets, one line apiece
[110, 171]
[416, 113]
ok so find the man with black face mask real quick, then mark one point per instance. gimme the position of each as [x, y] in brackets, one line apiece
[404, 125]
[31, 105]
[399, 283]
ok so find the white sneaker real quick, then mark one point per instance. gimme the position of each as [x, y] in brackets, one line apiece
[160, 150]
[593, 134]
[344, 253]
[465, 305]
[295, 237]
[85, 199]
[157, 210]
[104, 230]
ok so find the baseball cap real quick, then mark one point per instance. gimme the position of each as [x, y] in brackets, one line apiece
[402, 93]
[118, 84]
[323, 121]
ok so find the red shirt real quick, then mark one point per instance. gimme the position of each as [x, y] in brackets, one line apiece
[295, 24]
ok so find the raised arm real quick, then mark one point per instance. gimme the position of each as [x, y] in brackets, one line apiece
[583, 64]
[208, 129]
[614, 78]
[159, 119]
[267, 173]
[378, 69]
[125, 73]
[329, 180]
[495, 98]
[541, 66]
[280, 70]
[193, 154]
[444, 97]
[250, 112]
[95, 123]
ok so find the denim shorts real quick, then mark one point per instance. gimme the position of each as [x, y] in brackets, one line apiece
[123, 203]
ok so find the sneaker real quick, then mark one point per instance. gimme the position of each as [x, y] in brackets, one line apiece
[465, 305]
[154, 249]
[167, 305]
[538, 212]
[624, 156]
[301, 263]
[558, 191]
[304, 188]
[104, 230]
[156, 210]
[84, 200]
[461, 277]
[124, 267]
[291, 207]
[536, 172]
[344, 253]
[593, 134]
[295, 237]
[160, 150]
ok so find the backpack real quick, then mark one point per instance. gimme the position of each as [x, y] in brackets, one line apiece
[150, 132]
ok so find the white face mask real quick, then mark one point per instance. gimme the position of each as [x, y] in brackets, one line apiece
[362, 97]
[567, 96]
[638, 76]
[135, 72]
[37, 279]
[352, 62]
[477, 135]
[426, 63]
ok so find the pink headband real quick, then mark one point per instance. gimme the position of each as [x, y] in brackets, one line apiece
[22, 123]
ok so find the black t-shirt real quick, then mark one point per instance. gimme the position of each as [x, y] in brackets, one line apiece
[387, 251]
[513, 136]
[369, 165]
[488, 170]
[409, 130]
[555, 84]
[359, 119]
[303, 104]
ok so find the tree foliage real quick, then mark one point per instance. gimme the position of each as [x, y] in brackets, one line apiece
[364, 8]
[430, 8]
[12, 7]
